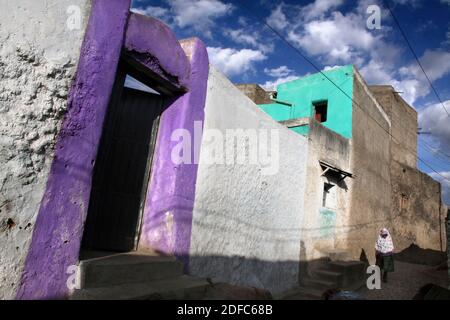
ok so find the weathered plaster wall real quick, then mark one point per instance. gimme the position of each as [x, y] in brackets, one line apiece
[321, 225]
[417, 210]
[246, 225]
[38, 59]
[403, 124]
[257, 94]
[370, 161]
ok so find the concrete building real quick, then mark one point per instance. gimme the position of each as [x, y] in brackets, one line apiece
[367, 137]
[417, 207]
[85, 175]
[257, 94]
[192, 174]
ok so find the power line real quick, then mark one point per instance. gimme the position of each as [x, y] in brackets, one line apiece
[331, 81]
[434, 149]
[415, 56]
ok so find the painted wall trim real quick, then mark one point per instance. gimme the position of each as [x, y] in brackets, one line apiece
[59, 226]
[167, 219]
[165, 58]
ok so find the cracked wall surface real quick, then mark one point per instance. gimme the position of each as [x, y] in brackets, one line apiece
[39, 48]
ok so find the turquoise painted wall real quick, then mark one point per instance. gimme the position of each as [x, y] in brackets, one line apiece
[327, 222]
[277, 111]
[303, 130]
[304, 91]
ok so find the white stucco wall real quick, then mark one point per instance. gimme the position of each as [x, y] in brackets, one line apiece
[246, 223]
[39, 48]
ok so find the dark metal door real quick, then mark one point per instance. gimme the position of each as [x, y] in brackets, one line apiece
[121, 171]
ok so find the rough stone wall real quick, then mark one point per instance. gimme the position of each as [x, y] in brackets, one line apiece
[370, 162]
[416, 209]
[257, 94]
[246, 225]
[416, 198]
[403, 124]
[38, 58]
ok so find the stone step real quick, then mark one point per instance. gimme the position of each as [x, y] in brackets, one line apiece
[181, 287]
[353, 273]
[335, 254]
[127, 268]
[330, 275]
[345, 266]
[318, 284]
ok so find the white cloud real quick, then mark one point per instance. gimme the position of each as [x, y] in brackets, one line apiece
[277, 18]
[282, 74]
[334, 38]
[411, 88]
[281, 71]
[340, 38]
[198, 14]
[232, 61]
[435, 62]
[435, 120]
[254, 39]
[272, 84]
[327, 68]
[154, 11]
[412, 81]
[318, 8]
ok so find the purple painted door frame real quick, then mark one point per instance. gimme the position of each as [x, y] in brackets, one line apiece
[59, 226]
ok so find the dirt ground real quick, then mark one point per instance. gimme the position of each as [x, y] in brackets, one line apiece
[405, 282]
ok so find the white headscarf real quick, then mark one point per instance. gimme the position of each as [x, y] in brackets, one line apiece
[384, 245]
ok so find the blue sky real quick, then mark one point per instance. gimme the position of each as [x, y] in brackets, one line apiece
[330, 33]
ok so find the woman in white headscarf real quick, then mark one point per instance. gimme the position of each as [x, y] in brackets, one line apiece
[384, 248]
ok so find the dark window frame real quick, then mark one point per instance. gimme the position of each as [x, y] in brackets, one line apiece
[320, 107]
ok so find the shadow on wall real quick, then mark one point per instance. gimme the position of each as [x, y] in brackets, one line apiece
[417, 255]
[251, 272]
[276, 277]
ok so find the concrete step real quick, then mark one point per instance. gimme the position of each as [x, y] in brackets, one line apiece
[335, 254]
[181, 287]
[318, 284]
[353, 273]
[329, 275]
[343, 266]
[127, 268]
